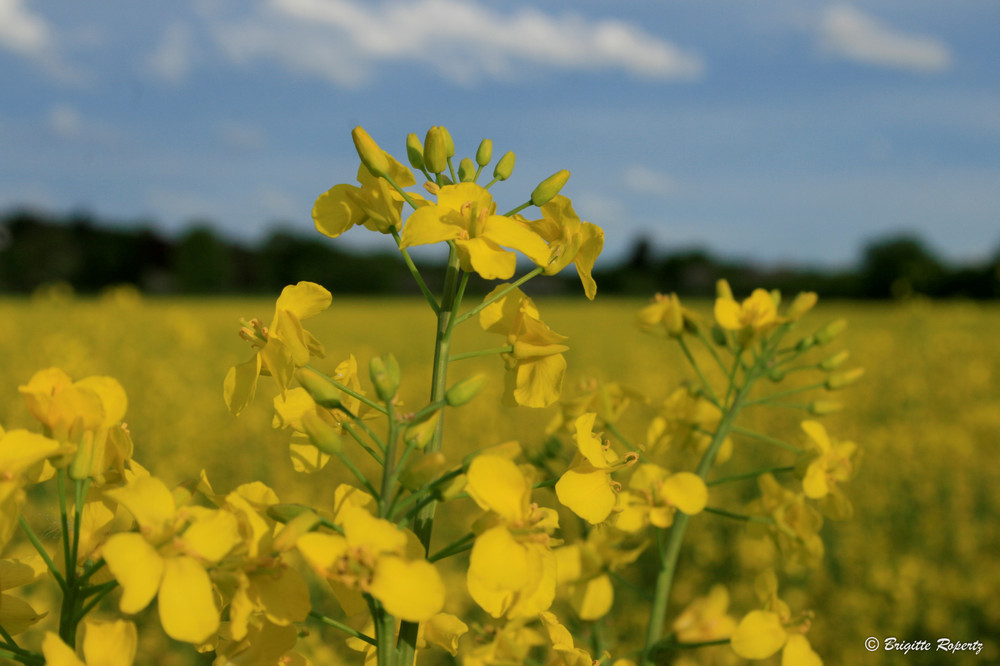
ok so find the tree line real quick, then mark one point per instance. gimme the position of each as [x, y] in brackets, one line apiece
[38, 249]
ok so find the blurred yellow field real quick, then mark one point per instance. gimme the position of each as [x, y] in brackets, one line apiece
[920, 559]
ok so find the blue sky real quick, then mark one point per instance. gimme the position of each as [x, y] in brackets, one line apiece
[779, 131]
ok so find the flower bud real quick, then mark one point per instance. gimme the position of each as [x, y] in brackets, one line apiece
[321, 434]
[423, 470]
[301, 524]
[805, 344]
[449, 143]
[419, 433]
[414, 151]
[435, 151]
[834, 361]
[283, 513]
[776, 375]
[549, 187]
[830, 331]
[319, 387]
[723, 290]
[839, 380]
[371, 155]
[821, 407]
[465, 390]
[485, 152]
[505, 166]
[79, 468]
[384, 373]
[466, 170]
[801, 305]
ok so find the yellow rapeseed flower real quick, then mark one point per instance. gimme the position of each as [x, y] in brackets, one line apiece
[586, 487]
[466, 214]
[756, 313]
[570, 241]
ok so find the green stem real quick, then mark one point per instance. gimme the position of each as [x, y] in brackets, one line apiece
[507, 349]
[424, 289]
[385, 630]
[389, 468]
[670, 551]
[343, 627]
[365, 400]
[23, 656]
[361, 442]
[33, 538]
[748, 475]
[765, 438]
[64, 522]
[499, 294]
[697, 369]
[613, 429]
[739, 516]
[642, 592]
[454, 548]
[780, 394]
[362, 479]
[89, 606]
[518, 209]
[711, 349]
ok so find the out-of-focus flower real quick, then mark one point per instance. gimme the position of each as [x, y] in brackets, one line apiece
[654, 496]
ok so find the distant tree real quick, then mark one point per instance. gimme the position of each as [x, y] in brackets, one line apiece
[898, 267]
[202, 262]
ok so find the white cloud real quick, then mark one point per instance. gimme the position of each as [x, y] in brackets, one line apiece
[22, 31]
[243, 135]
[64, 121]
[851, 34]
[644, 180]
[171, 61]
[342, 40]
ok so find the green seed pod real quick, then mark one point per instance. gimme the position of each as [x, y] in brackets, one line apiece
[549, 187]
[321, 434]
[485, 152]
[466, 170]
[776, 375]
[384, 373]
[465, 390]
[830, 331]
[435, 151]
[414, 151]
[371, 155]
[805, 344]
[319, 387]
[505, 166]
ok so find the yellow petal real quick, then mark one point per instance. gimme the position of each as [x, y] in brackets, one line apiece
[728, 314]
[686, 491]
[538, 382]
[137, 567]
[335, 212]
[798, 652]
[321, 551]
[589, 445]
[16, 615]
[410, 590]
[592, 599]
[241, 384]
[496, 484]
[282, 594]
[304, 299]
[511, 233]
[212, 536]
[817, 433]
[498, 560]
[278, 359]
[540, 590]
[187, 601]
[21, 449]
[112, 397]
[444, 630]
[366, 531]
[593, 243]
[486, 258]
[149, 500]
[109, 643]
[759, 635]
[814, 484]
[587, 492]
[57, 653]
[428, 225]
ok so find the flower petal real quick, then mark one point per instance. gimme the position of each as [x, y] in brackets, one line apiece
[137, 567]
[410, 590]
[187, 601]
[759, 635]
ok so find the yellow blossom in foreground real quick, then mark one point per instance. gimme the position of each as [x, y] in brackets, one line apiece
[761, 633]
[376, 204]
[535, 365]
[512, 570]
[756, 313]
[104, 644]
[282, 347]
[654, 496]
[570, 241]
[373, 557]
[466, 214]
[586, 487]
